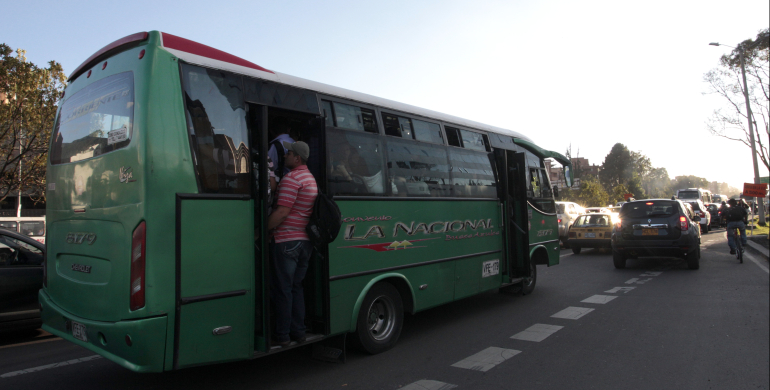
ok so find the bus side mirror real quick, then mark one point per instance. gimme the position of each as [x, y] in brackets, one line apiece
[568, 176]
[555, 191]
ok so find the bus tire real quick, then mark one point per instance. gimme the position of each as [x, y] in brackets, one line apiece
[380, 319]
[528, 284]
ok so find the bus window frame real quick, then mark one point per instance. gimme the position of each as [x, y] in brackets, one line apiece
[333, 99]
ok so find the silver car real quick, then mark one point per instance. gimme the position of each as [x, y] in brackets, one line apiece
[567, 212]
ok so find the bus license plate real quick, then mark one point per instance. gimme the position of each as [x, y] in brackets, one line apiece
[490, 268]
[649, 232]
[79, 331]
[590, 235]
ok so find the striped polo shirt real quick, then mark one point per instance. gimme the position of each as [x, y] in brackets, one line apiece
[297, 191]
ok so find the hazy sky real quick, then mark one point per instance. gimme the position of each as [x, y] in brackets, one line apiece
[583, 73]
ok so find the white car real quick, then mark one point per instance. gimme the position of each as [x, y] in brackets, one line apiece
[603, 210]
[700, 210]
[566, 213]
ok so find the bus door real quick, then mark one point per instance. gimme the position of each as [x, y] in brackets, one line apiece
[517, 215]
[214, 278]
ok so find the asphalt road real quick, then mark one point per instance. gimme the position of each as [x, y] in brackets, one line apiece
[654, 325]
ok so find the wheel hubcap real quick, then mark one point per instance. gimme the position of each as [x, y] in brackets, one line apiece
[381, 318]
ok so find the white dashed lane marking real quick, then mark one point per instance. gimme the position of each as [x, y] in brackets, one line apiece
[650, 273]
[615, 290]
[486, 359]
[48, 366]
[600, 299]
[427, 384]
[572, 313]
[637, 281]
[537, 332]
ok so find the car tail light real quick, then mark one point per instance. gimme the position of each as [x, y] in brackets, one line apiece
[558, 220]
[138, 251]
[618, 225]
[683, 224]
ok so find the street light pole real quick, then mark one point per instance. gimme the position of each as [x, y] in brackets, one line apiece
[760, 202]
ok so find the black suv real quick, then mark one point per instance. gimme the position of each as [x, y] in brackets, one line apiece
[656, 227]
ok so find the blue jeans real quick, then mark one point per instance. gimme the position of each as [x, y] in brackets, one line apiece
[289, 261]
[730, 238]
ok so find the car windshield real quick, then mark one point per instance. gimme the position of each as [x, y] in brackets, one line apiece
[592, 220]
[695, 205]
[648, 209]
[713, 207]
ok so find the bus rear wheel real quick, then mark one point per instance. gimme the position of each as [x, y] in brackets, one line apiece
[380, 319]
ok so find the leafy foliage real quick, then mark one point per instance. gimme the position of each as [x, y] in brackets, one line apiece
[28, 102]
[726, 81]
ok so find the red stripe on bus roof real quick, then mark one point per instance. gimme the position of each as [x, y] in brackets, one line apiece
[192, 47]
[140, 36]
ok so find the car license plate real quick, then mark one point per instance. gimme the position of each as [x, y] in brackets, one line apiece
[590, 235]
[79, 331]
[490, 268]
[649, 232]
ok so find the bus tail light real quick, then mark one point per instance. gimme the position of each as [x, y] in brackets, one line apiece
[683, 225]
[138, 251]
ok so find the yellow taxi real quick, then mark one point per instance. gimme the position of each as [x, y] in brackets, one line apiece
[591, 231]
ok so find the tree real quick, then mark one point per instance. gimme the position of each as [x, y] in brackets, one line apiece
[689, 181]
[620, 168]
[658, 184]
[618, 194]
[727, 81]
[28, 102]
[592, 193]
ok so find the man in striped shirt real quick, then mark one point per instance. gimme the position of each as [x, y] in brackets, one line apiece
[290, 252]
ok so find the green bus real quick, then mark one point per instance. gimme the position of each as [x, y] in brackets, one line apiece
[157, 189]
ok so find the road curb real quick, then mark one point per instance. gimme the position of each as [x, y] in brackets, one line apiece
[760, 248]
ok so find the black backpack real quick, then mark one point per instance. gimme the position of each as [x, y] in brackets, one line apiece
[735, 213]
[325, 221]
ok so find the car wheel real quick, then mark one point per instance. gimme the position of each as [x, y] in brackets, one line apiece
[576, 249]
[380, 319]
[693, 259]
[619, 259]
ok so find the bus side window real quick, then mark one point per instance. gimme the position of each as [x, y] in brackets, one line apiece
[453, 136]
[217, 127]
[472, 174]
[354, 118]
[355, 165]
[418, 169]
[473, 140]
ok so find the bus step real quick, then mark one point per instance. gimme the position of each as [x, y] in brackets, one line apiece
[331, 349]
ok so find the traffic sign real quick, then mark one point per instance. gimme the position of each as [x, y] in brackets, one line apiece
[751, 189]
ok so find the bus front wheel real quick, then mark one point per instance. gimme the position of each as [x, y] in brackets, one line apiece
[380, 319]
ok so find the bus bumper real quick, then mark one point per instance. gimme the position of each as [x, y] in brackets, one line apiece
[110, 339]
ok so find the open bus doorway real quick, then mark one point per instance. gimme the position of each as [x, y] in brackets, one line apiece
[265, 123]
